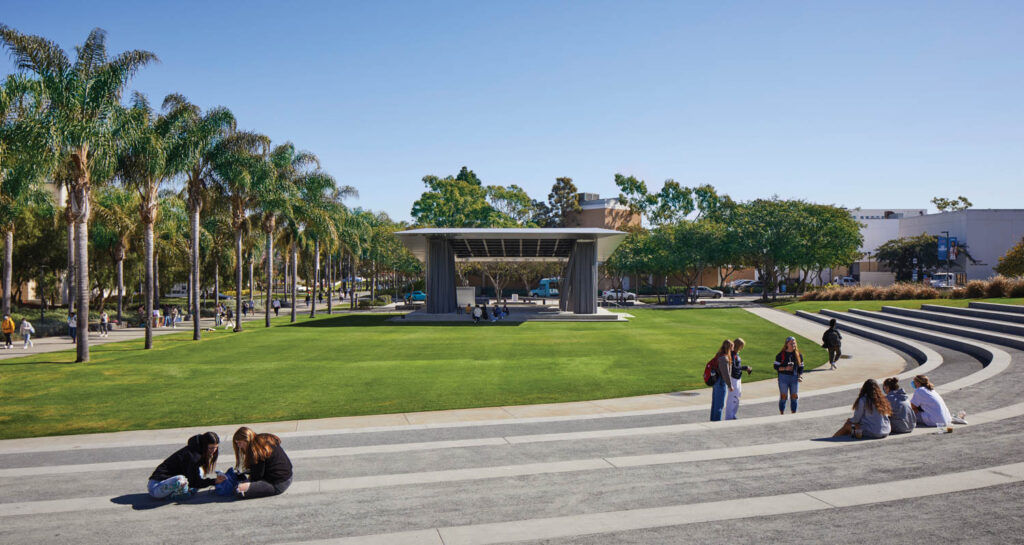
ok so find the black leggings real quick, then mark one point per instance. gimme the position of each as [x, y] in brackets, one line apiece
[262, 489]
[7, 339]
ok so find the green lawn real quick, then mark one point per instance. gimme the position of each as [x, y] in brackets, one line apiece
[361, 364]
[843, 306]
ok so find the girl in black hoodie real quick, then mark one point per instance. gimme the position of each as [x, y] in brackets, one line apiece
[265, 462]
[183, 472]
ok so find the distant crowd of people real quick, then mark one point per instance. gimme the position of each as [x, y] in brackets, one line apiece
[479, 312]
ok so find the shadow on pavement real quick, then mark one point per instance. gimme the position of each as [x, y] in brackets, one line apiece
[143, 502]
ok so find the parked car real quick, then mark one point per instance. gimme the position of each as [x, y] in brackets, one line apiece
[737, 284]
[416, 296]
[753, 287]
[619, 295]
[847, 281]
[704, 291]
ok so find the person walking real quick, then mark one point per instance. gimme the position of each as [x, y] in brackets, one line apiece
[832, 340]
[7, 328]
[26, 332]
[790, 366]
[277, 306]
[73, 327]
[722, 384]
[732, 402]
[174, 317]
[104, 324]
[229, 319]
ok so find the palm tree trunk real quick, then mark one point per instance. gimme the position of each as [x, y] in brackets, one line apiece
[194, 273]
[238, 280]
[156, 276]
[252, 266]
[82, 281]
[69, 284]
[270, 278]
[8, 264]
[120, 286]
[295, 274]
[316, 277]
[330, 284]
[148, 287]
[216, 285]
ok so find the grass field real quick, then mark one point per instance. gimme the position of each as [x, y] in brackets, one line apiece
[361, 364]
[843, 306]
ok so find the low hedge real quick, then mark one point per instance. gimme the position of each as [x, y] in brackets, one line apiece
[900, 290]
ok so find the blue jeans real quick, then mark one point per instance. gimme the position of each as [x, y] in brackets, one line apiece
[788, 387]
[718, 392]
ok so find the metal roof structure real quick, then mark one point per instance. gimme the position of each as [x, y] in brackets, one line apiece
[516, 244]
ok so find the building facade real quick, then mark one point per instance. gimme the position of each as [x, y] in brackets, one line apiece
[987, 234]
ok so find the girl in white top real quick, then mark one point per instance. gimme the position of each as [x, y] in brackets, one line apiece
[928, 404]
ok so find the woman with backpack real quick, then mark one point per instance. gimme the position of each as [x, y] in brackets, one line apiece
[268, 468]
[732, 402]
[871, 414]
[832, 340]
[722, 386]
[790, 365]
[186, 470]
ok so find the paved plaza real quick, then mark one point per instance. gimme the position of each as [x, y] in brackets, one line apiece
[635, 470]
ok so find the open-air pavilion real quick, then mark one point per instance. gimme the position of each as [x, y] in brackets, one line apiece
[583, 248]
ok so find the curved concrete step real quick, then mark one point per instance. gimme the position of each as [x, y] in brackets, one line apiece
[968, 332]
[977, 313]
[1016, 309]
[914, 352]
[947, 318]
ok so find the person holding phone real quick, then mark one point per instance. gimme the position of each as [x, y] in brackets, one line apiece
[265, 463]
[188, 469]
[790, 366]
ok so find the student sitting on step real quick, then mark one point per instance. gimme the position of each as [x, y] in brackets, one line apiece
[870, 414]
[186, 470]
[267, 466]
[928, 404]
[903, 419]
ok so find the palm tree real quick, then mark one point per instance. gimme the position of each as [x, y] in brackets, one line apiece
[81, 97]
[24, 164]
[142, 165]
[116, 210]
[242, 172]
[193, 153]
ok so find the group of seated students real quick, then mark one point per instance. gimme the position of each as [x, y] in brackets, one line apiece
[877, 414]
[261, 462]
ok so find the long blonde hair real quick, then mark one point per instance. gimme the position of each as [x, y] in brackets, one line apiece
[796, 351]
[258, 447]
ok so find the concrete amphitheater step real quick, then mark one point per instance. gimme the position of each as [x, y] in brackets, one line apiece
[986, 324]
[977, 313]
[1016, 309]
[984, 335]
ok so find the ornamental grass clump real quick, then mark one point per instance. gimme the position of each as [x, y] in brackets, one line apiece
[1016, 288]
[925, 292]
[976, 289]
[998, 286]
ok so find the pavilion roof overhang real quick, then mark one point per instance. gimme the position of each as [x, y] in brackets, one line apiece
[525, 244]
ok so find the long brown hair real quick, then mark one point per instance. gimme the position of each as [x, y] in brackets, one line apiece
[207, 461]
[258, 447]
[874, 397]
[796, 351]
[923, 382]
[725, 350]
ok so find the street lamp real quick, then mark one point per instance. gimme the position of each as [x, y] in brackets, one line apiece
[948, 250]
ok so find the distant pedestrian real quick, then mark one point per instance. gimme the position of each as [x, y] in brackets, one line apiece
[229, 319]
[732, 402]
[722, 384]
[73, 327]
[477, 314]
[469, 309]
[174, 317]
[790, 365]
[277, 306]
[458, 310]
[307, 299]
[26, 332]
[504, 310]
[832, 340]
[8, 327]
[104, 323]
[483, 310]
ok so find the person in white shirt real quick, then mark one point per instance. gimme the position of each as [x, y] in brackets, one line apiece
[931, 410]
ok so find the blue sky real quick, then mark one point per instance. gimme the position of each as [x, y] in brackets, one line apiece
[870, 104]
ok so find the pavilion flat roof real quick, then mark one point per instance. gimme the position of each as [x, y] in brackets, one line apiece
[514, 244]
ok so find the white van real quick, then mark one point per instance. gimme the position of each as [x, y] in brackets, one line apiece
[943, 280]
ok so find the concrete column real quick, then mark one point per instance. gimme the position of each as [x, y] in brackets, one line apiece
[580, 283]
[440, 276]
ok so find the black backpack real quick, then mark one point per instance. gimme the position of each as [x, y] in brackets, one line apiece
[831, 338]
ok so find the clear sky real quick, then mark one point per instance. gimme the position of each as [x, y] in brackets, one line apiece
[870, 104]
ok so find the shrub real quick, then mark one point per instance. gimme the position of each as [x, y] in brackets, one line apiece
[811, 295]
[997, 287]
[925, 292]
[976, 289]
[1016, 288]
[958, 293]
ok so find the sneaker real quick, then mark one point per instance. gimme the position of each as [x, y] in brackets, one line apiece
[185, 494]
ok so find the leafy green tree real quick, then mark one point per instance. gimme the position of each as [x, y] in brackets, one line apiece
[192, 153]
[563, 202]
[951, 205]
[1012, 264]
[899, 255]
[81, 97]
[457, 201]
[669, 205]
[768, 236]
[513, 202]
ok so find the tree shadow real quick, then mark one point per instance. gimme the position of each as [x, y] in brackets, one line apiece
[379, 320]
[145, 502]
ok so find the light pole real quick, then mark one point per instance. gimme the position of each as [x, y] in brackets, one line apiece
[948, 250]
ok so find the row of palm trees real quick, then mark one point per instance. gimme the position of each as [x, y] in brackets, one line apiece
[63, 120]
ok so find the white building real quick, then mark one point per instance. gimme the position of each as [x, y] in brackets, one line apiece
[881, 225]
[987, 234]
